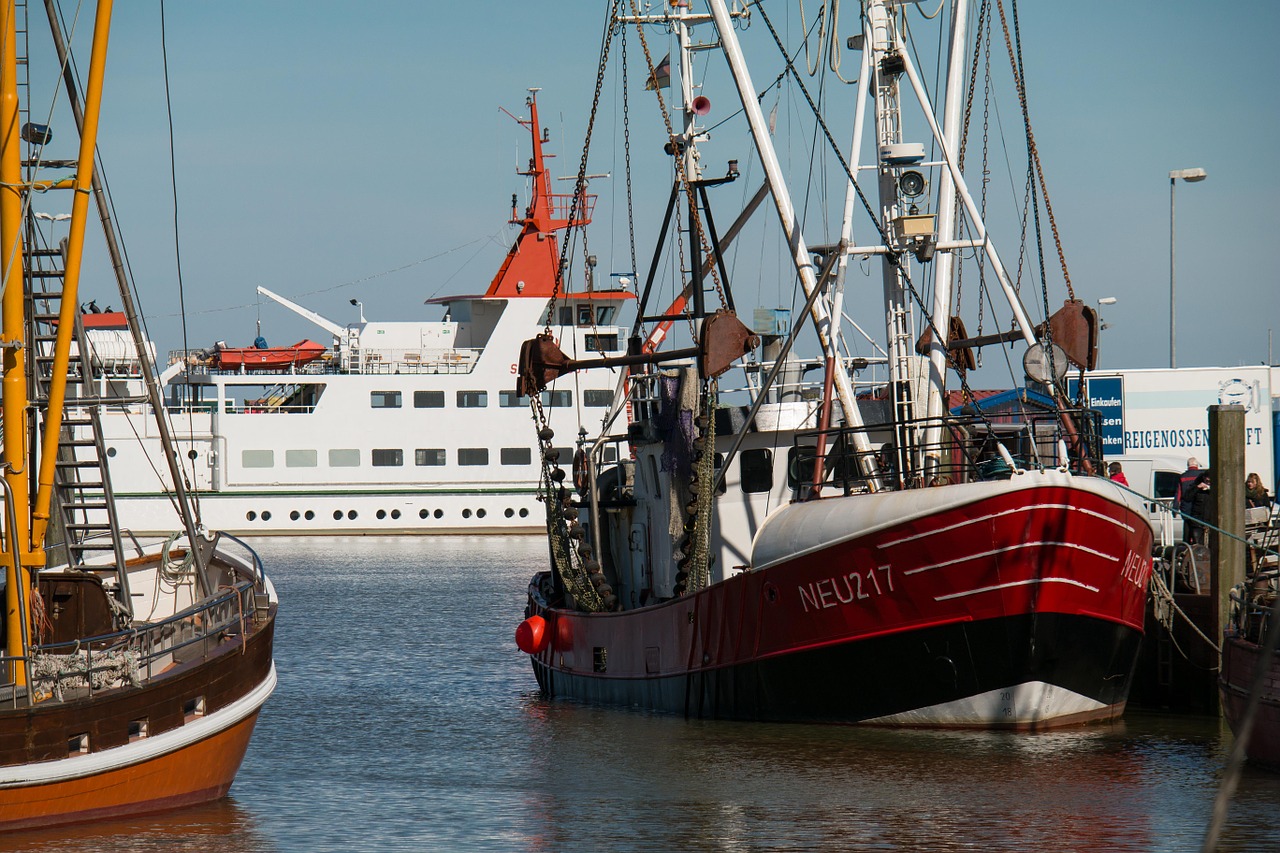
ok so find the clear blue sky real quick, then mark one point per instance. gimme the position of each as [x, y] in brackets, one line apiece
[322, 145]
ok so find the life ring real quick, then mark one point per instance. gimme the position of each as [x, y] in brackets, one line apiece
[580, 471]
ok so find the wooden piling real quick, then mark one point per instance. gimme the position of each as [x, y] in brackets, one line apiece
[1226, 509]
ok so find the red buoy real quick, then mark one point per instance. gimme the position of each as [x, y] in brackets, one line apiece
[531, 635]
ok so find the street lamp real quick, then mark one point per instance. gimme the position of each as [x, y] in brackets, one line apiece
[360, 307]
[52, 217]
[1191, 176]
[1106, 300]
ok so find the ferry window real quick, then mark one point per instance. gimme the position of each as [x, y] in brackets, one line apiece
[300, 459]
[428, 399]
[594, 397]
[557, 399]
[473, 456]
[516, 456]
[511, 400]
[384, 399]
[257, 458]
[388, 458]
[602, 343]
[584, 315]
[566, 315]
[428, 456]
[604, 314]
[473, 399]
[344, 458]
[756, 470]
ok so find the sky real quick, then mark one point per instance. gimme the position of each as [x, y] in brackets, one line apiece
[337, 151]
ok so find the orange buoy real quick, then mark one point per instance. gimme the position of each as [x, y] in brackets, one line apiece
[531, 635]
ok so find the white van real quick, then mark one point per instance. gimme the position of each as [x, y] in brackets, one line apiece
[1156, 478]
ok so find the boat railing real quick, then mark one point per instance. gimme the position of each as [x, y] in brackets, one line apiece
[968, 448]
[1252, 604]
[562, 207]
[62, 672]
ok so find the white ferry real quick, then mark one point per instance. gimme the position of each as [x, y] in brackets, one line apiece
[393, 427]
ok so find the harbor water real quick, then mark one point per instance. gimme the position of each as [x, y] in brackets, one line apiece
[406, 720]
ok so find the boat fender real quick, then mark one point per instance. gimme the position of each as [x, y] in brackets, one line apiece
[532, 636]
[580, 471]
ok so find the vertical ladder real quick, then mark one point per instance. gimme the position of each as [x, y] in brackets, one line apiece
[84, 504]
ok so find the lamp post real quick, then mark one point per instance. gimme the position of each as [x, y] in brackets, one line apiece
[1106, 300]
[359, 307]
[52, 218]
[1191, 176]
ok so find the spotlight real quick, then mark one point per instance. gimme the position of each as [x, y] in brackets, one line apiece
[911, 183]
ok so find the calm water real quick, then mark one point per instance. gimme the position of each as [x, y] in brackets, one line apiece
[406, 720]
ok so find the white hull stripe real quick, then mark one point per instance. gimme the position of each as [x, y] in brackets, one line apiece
[1017, 547]
[1031, 702]
[143, 749]
[992, 515]
[1013, 584]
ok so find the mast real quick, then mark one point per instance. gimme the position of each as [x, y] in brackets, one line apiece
[18, 556]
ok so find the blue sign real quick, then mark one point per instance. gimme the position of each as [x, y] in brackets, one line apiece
[1106, 395]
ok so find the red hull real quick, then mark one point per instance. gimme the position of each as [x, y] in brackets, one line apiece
[978, 571]
[1239, 661]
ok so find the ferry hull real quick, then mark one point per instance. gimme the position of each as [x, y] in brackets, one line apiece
[988, 613]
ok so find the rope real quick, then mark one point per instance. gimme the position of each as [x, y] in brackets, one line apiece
[1165, 606]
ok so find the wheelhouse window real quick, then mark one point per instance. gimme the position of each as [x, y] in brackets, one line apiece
[429, 456]
[605, 314]
[473, 399]
[428, 399]
[756, 470]
[602, 343]
[515, 456]
[473, 456]
[566, 315]
[384, 399]
[388, 457]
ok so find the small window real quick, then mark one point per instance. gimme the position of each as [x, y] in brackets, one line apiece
[800, 461]
[756, 470]
[473, 399]
[515, 456]
[584, 315]
[611, 454]
[387, 458]
[601, 343]
[345, 458]
[384, 399]
[428, 399]
[596, 398]
[78, 744]
[604, 314]
[429, 456]
[1166, 485]
[193, 708]
[557, 399]
[566, 315]
[137, 729]
[511, 400]
[301, 459]
[473, 456]
[257, 458]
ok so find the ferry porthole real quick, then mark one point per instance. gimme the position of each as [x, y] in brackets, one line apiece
[308, 515]
[395, 513]
[266, 515]
[295, 515]
[439, 513]
[337, 515]
[509, 512]
[480, 513]
[382, 513]
[351, 514]
[111, 451]
[524, 513]
[251, 515]
[466, 513]
[422, 513]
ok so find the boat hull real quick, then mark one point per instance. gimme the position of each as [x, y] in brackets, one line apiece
[984, 608]
[1239, 660]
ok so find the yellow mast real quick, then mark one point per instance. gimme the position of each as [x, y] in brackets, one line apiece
[13, 381]
[71, 274]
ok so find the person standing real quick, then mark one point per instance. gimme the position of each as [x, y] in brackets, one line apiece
[1186, 485]
[1196, 510]
[1116, 472]
[1255, 494]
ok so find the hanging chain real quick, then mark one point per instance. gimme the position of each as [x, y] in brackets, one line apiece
[626, 147]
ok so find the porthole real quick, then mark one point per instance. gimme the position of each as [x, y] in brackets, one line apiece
[466, 513]
[295, 515]
[337, 515]
[395, 513]
[308, 515]
[251, 515]
[351, 514]
[111, 452]
[266, 515]
[509, 512]
[480, 513]
[422, 513]
[524, 513]
[439, 513]
[382, 513]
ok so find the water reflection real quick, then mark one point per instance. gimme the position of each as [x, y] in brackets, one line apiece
[224, 826]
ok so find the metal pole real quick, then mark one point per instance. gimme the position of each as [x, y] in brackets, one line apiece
[1173, 347]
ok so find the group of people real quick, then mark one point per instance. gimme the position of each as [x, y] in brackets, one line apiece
[1192, 499]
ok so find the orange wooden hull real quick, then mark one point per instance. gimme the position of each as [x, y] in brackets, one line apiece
[197, 773]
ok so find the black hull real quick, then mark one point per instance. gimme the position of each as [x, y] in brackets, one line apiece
[867, 680]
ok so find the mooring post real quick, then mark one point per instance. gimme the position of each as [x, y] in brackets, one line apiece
[1226, 510]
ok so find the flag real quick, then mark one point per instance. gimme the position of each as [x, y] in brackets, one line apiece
[661, 76]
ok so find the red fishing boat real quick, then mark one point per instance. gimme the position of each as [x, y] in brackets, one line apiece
[823, 555]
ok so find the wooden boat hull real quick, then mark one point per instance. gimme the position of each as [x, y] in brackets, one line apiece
[1239, 660]
[981, 607]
